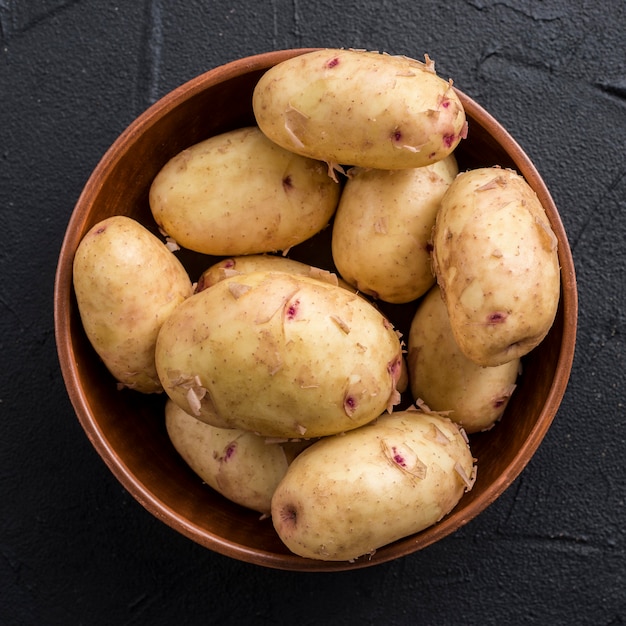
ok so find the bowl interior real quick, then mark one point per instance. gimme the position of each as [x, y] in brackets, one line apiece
[127, 429]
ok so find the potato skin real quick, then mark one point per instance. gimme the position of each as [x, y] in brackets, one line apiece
[127, 283]
[264, 263]
[360, 108]
[495, 258]
[240, 465]
[239, 193]
[267, 262]
[280, 355]
[383, 227]
[473, 396]
[345, 496]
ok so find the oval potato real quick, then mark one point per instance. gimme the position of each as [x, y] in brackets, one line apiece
[381, 238]
[496, 261]
[441, 376]
[267, 262]
[345, 496]
[239, 193]
[360, 108]
[264, 263]
[242, 466]
[127, 283]
[280, 355]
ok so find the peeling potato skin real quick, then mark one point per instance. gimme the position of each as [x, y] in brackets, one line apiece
[280, 355]
[496, 262]
[360, 108]
[127, 283]
[262, 263]
[383, 227]
[239, 193]
[240, 465]
[348, 495]
[473, 396]
[267, 262]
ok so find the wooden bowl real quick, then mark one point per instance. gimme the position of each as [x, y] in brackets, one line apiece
[127, 428]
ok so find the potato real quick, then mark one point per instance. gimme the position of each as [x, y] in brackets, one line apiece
[345, 496]
[238, 193]
[495, 258]
[267, 262]
[127, 283]
[280, 355]
[242, 466]
[264, 262]
[383, 227]
[446, 380]
[360, 108]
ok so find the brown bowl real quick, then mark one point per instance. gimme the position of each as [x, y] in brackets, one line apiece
[127, 429]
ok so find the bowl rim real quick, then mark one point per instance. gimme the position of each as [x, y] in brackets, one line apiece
[568, 296]
[63, 295]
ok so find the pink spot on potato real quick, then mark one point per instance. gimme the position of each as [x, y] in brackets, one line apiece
[395, 369]
[497, 317]
[334, 62]
[292, 310]
[350, 404]
[448, 140]
[230, 451]
[397, 457]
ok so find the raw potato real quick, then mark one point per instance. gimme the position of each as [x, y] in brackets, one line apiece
[383, 226]
[267, 262]
[346, 496]
[127, 283]
[360, 108]
[240, 465]
[495, 258]
[262, 263]
[239, 193]
[446, 380]
[281, 355]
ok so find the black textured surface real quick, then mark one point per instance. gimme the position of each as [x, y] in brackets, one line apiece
[75, 548]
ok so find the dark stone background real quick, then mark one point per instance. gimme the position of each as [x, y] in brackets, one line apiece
[75, 548]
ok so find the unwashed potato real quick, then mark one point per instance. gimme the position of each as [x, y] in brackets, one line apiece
[360, 108]
[495, 258]
[242, 466]
[345, 496]
[280, 355]
[127, 283]
[446, 380]
[268, 262]
[383, 227]
[264, 263]
[239, 193]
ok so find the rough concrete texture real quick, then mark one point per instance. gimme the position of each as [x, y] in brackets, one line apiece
[75, 548]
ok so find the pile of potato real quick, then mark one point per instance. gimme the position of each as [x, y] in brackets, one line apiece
[283, 380]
